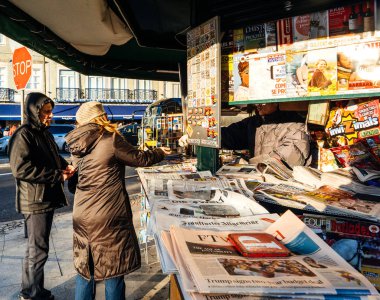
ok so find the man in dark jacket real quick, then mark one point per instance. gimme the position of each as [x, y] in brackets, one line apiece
[39, 172]
[270, 132]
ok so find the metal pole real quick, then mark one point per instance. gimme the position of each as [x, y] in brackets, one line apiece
[44, 74]
[22, 108]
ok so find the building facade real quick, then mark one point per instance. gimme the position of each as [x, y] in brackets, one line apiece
[65, 85]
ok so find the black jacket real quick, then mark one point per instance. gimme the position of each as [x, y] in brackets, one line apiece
[35, 162]
[280, 134]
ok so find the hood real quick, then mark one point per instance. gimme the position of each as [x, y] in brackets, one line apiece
[83, 139]
[34, 103]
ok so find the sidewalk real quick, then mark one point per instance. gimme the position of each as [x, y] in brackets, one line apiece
[146, 283]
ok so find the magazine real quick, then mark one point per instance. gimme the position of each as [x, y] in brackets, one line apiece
[344, 201]
[360, 159]
[216, 267]
[267, 75]
[325, 199]
[357, 241]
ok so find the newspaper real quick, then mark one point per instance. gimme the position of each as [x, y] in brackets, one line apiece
[221, 203]
[164, 242]
[308, 175]
[344, 178]
[314, 269]
[184, 168]
[156, 186]
[259, 170]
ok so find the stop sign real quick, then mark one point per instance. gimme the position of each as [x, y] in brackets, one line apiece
[22, 67]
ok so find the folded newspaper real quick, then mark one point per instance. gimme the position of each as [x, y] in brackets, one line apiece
[269, 169]
[211, 263]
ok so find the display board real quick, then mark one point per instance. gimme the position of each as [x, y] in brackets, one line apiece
[203, 75]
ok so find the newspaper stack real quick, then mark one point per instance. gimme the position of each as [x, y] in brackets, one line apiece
[211, 268]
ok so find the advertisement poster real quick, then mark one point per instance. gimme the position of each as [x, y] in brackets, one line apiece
[267, 76]
[310, 26]
[203, 65]
[322, 72]
[296, 73]
[358, 67]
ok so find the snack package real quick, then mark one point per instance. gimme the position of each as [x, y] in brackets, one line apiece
[354, 122]
[258, 245]
[326, 160]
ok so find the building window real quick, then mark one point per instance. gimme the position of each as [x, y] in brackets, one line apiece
[176, 90]
[95, 82]
[67, 79]
[2, 39]
[35, 81]
[143, 84]
[119, 83]
[3, 77]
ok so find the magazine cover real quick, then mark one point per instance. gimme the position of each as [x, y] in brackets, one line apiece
[333, 198]
[373, 144]
[310, 26]
[254, 36]
[227, 78]
[358, 67]
[271, 36]
[296, 73]
[358, 242]
[354, 122]
[284, 33]
[238, 39]
[241, 76]
[322, 72]
[267, 76]
[353, 19]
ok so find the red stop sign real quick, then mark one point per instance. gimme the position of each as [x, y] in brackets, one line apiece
[22, 67]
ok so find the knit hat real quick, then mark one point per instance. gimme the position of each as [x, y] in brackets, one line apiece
[88, 111]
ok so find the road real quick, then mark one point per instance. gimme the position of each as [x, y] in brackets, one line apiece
[8, 190]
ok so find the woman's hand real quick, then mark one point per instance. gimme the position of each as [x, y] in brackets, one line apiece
[166, 150]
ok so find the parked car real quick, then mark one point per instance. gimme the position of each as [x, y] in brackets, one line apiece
[130, 132]
[59, 132]
[4, 141]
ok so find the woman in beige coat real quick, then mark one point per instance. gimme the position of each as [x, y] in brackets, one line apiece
[105, 242]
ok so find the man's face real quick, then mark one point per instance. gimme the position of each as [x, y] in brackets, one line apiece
[46, 114]
[266, 109]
